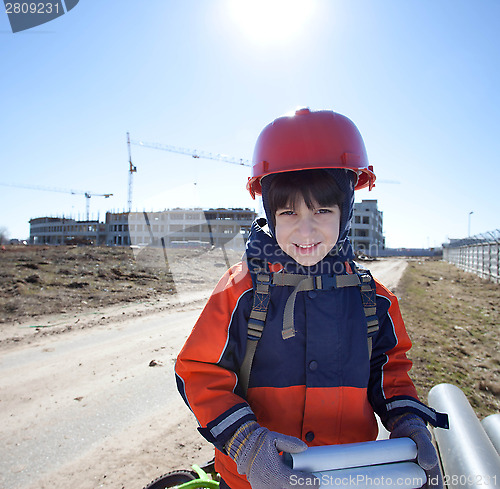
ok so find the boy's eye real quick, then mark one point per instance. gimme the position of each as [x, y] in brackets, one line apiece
[285, 213]
[323, 211]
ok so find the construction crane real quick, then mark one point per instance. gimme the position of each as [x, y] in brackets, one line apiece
[194, 153]
[132, 169]
[87, 195]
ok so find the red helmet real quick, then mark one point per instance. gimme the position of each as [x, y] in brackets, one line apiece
[310, 140]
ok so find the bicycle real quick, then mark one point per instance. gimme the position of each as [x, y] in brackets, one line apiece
[204, 477]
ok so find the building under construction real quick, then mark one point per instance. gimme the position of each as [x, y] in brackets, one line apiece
[193, 228]
[62, 230]
[366, 233]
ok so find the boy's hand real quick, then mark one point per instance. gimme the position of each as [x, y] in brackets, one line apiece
[255, 451]
[412, 426]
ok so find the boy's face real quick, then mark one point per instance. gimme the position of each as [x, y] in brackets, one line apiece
[307, 235]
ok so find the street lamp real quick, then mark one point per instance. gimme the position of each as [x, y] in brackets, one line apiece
[470, 213]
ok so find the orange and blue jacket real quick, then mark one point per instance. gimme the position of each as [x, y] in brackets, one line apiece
[320, 385]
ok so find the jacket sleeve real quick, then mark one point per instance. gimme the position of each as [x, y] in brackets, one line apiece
[391, 391]
[206, 368]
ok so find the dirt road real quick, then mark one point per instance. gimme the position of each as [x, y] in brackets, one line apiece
[388, 271]
[98, 407]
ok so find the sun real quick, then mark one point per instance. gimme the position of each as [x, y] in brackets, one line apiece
[271, 22]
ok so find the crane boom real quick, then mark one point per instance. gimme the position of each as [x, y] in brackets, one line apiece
[87, 194]
[194, 153]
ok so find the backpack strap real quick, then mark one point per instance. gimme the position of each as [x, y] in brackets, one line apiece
[257, 318]
[369, 300]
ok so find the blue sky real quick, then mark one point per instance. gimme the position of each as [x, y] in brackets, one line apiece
[419, 78]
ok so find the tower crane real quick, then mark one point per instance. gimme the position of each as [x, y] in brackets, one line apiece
[87, 194]
[194, 153]
[176, 149]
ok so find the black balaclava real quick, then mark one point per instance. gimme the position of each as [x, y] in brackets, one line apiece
[346, 180]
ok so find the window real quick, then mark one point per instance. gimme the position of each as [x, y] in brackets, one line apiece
[357, 219]
[366, 220]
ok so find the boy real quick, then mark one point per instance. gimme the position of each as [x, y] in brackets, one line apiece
[296, 346]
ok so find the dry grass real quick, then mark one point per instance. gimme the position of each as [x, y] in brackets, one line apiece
[453, 320]
[43, 280]
[39, 280]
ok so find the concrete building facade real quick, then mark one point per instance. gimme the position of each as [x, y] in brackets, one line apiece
[192, 228]
[366, 232]
[61, 230]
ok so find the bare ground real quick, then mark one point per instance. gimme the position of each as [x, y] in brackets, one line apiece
[453, 319]
[74, 382]
[53, 289]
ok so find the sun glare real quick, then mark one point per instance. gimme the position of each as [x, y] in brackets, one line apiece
[270, 22]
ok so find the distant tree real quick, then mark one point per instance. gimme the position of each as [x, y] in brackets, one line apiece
[4, 235]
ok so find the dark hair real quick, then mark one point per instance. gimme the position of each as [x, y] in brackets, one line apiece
[314, 186]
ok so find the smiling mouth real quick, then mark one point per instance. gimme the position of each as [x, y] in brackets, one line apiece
[306, 247]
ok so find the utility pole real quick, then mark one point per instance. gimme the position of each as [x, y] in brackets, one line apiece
[468, 229]
[132, 169]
